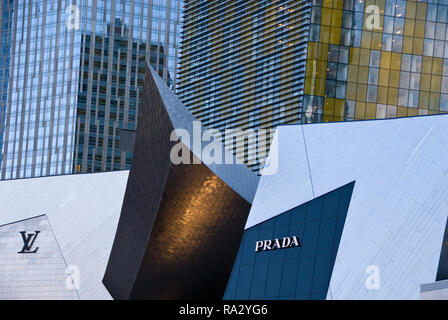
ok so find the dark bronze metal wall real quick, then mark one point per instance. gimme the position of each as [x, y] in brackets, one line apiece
[195, 238]
[180, 226]
[145, 187]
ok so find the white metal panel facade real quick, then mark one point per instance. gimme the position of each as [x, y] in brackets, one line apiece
[398, 210]
[83, 211]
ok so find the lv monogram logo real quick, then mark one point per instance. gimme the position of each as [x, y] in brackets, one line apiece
[28, 242]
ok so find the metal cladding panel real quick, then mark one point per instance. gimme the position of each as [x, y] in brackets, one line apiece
[83, 212]
[397, 216]
[398, 212]
[31, 264]
[159, 192]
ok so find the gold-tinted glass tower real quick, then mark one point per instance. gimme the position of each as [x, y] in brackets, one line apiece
[376, 59]
[259, 64]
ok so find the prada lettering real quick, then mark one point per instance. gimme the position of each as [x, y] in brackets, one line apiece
[28, 242]
[286, 242]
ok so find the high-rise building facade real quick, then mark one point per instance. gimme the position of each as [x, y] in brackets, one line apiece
[243, 62]
[376, 59]
[73, 82]
[41, 91]
[5, 59]
[369, 224]
[259, 64]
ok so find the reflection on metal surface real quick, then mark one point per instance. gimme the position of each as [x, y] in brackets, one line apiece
[190, 222]
[195, 238]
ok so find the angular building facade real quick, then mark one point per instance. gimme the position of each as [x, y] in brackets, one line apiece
[73, 82]
[176, 217]
[349, 214]
[56, 234]
[393, 240]
[355, 210]
[260, 64]
[45, 276]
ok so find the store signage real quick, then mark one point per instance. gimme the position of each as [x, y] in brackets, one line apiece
[28, 242]
[284, 243]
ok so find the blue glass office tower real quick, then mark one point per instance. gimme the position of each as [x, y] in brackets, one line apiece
[41, 93]
[111, 78]
[61, 110]
[5, 58]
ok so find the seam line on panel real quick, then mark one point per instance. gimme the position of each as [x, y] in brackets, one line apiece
[63, 257]
[308, 161]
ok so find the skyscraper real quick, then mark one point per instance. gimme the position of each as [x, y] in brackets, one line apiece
[5, 59]
[113, 102]
[243, 62]
[376, 59]
[259, 64]
[67, 58]
[98, 143]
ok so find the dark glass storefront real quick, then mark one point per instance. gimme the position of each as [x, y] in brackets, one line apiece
[296, 272]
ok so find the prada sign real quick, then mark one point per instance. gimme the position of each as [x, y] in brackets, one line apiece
[286, 242]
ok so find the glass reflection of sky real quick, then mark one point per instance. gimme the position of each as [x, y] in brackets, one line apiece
[41, 95]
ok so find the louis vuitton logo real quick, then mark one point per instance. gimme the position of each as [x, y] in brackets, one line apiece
[28, 242]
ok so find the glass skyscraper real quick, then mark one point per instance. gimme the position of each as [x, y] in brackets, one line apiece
[376, 59]
[5, 59]
[112, 74]
[41, 93]
[243, 62]
[74, 80]
[265, 63]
